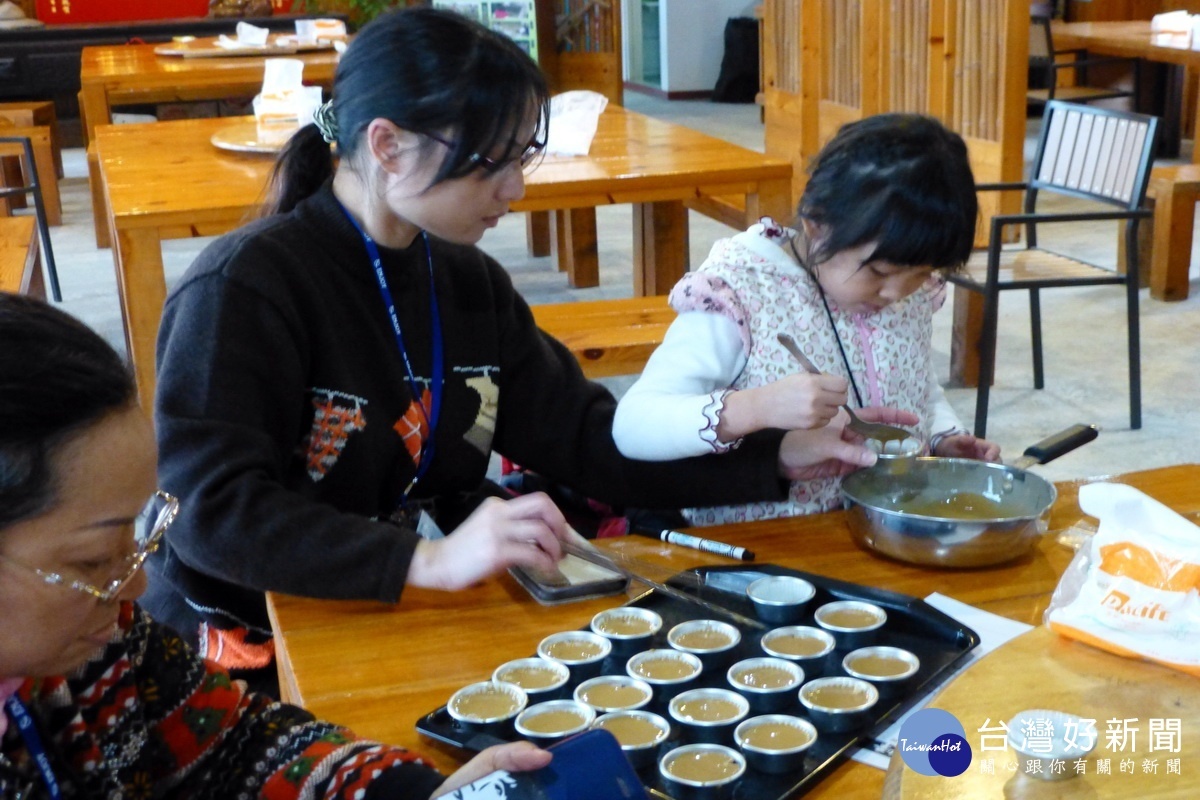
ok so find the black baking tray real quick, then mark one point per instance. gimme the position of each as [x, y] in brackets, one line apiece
[938, 640]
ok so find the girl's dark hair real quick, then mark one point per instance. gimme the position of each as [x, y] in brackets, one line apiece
[902, 181]
[431, 72]
[57, 377]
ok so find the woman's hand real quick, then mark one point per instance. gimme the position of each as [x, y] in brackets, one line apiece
[964, 445]
[515, 757]
[795, 402]
[499, 534]
[834, 450]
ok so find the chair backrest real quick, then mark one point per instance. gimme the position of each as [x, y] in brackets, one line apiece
[1094, 153]
[1041, 47]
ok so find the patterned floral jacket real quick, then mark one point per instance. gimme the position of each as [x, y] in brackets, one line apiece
[147, 718]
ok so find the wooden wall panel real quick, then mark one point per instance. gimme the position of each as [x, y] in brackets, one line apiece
[963, 61]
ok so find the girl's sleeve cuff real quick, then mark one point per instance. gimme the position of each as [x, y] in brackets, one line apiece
[712, 416]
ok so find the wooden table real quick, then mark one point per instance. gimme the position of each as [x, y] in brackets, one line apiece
[379, 668]
[165, 180]
[131, 74]
[1129, 39]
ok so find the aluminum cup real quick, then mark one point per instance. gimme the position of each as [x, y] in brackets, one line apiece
[614, 693]
[641, 752]
[535, 668]
[836, 718]
[629, 628]
[776, 642]
[687, 666]
[765, 699]
[548, 722]
[779, 754]
[458, 706]
[694, 727]
[780, 599]
[674, 762]
[902, 667]
[584, 666]
[849, 637]
[712, 656]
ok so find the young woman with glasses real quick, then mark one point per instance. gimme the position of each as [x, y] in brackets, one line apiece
[98, 699]
[333, 378]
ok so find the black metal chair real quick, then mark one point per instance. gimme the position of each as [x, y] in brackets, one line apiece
[33, 186]
[1044, 59]
[1084, 152]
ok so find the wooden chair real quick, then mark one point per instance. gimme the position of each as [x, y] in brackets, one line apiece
[1050, 62]
[19, 272]
[42, 160]
[1084, 152]
[33, 186]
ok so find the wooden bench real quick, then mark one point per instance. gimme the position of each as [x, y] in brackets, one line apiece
[608, 337]
[20, 271]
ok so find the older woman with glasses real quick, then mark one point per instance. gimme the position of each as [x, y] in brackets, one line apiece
[334, 378]
[99, 700]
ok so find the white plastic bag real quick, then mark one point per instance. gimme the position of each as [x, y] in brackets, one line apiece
[1134, 588]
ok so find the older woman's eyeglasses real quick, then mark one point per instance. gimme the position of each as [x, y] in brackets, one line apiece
[531, 153]
[167, 509]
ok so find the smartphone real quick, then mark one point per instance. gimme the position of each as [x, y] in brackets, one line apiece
[574, 579]
[588, 766]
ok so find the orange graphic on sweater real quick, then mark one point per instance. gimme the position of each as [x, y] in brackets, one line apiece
[332, 424]
[413, 427]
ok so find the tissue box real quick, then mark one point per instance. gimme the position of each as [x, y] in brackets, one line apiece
[55, 12]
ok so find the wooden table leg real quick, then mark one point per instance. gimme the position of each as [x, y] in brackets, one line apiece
[537, 233]
[1171, 256]
[964, 341]
[660, 246]
[137, 255]
[773, 199]
[576, 244]
[99, 200]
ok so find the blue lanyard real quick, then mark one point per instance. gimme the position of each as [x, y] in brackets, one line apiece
[429, 414]
[33, 743]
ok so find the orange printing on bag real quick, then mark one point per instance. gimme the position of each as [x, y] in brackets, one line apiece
[1126, 559]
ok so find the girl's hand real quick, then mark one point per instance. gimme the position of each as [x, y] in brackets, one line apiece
[499, 534]
[964, 445]
[834, 450]
[795, 402]
[515, 757]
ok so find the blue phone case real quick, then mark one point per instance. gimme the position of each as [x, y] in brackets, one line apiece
[588, 766]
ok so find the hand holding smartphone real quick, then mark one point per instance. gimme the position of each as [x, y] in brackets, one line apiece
[589, 766]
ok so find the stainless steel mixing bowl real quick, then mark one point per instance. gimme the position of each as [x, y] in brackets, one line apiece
[876, 502]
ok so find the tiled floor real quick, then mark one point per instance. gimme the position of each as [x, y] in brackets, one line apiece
[1085, 329]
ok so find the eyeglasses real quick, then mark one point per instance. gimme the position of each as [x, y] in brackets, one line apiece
[530, 154]
[133, 562]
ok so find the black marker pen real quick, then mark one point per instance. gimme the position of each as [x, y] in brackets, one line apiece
[695, 542]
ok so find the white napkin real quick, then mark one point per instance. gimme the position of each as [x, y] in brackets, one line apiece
[1171, 22]
[10, 11]
[247, 35]
[284, 104]
[573, 120]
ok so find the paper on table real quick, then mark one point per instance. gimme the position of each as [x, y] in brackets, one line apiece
[246, 35]
[310, 31]
[573, 120]
[1171, 22]
[993, 631]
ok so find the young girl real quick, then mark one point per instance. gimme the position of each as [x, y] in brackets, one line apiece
[333, 378]
[98, 699]
[889, 200]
